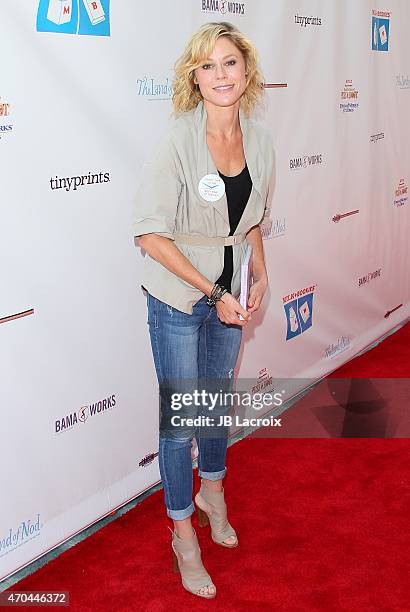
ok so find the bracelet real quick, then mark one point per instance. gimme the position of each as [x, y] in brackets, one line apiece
[216, 294]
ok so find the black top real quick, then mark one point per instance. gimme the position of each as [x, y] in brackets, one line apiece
[238, 189]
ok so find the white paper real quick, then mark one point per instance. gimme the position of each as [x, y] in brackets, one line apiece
[304, 311]
[246, 278]
[293, 320]
[383, 34]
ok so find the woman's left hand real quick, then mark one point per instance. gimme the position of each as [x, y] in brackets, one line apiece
[256, 294]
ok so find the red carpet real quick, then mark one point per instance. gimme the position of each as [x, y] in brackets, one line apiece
[389, 359]
[323, 525]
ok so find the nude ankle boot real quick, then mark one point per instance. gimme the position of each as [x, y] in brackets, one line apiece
[212, 508]
[187, 561]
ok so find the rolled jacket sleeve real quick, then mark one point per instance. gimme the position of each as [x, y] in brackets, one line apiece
[157, 196]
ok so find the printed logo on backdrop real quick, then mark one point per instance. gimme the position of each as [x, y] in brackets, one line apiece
[349, 93]
[17, 536]
[154, 89]
[272, 229]
[6, 125]
[90, 17]
[273, 85]
[305, 21]
[223, 7]
[380, 30]
[298, 310]
[74, 182]
[339, 216]
[69, 421]
[305, 161]
[390, 312]
[344, 343]
[16, 315]
[403, 82]
[263, 382]
[370, 276]
[401, 194]
[148, 459]
[376, 137]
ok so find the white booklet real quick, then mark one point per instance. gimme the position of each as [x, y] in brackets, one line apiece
[246, 278]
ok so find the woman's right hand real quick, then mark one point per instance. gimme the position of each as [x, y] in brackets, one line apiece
[228, 311]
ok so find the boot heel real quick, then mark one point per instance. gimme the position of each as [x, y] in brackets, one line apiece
[203, 519]
[175, 566]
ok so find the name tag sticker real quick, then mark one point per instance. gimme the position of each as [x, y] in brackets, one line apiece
[211, 187]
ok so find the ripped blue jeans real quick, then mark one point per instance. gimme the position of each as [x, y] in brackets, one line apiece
[195, 356]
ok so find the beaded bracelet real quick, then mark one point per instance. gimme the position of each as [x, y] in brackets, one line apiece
[216, 294]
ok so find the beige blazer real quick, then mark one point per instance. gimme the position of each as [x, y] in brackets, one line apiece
[168, 201]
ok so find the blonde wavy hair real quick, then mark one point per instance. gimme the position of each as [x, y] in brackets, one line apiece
[186, 95]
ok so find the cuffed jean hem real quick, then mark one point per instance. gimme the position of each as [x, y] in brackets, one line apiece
[180, 515]
[212, 475]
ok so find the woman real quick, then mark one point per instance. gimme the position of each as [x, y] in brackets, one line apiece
[200, 202]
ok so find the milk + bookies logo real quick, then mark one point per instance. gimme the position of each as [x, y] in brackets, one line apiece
[298, 309]
[380, 30]
[90, 17]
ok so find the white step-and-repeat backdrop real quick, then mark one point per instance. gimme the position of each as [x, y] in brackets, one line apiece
[85, 95]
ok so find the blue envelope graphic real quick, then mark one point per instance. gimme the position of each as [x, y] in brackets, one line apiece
[91, 17]
[299, 315]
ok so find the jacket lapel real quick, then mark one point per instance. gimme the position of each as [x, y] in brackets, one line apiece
[205, 165]
[205, 161]
[251, 150]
